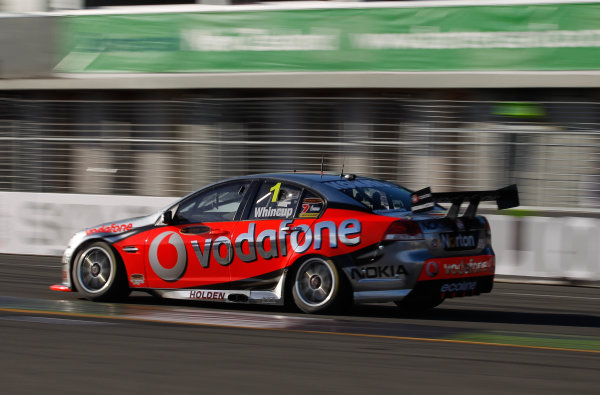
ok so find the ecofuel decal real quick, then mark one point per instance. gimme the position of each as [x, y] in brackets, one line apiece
[249, 247]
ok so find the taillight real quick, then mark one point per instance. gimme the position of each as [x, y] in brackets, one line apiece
[404, 230]
[488, 232]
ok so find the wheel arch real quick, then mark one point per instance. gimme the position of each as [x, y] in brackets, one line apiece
[296, 261]
[83, 245]
[338, 262]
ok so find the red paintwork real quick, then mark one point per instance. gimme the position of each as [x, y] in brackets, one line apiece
[134, 262]
[458, 267]
[372, 231]
[60, 287]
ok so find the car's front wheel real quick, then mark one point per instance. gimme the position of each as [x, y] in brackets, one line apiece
[316, 286]
[98, 273]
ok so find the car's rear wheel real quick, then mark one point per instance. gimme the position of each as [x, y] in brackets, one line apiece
[316, 286]
[99, 274]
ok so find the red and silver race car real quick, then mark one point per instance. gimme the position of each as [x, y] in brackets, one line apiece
[319, 240]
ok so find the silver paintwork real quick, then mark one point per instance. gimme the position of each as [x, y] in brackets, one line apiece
[274, 296]
[389, 271]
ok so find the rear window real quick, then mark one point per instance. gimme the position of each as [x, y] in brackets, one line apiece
[376, 195]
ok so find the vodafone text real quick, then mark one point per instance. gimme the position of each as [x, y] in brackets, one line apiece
[466, 268]
[271, 243]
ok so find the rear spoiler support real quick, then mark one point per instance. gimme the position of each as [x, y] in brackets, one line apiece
[424, 200]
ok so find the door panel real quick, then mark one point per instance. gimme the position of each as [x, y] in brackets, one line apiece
[197, 248]
[265, 241]
[183, 256]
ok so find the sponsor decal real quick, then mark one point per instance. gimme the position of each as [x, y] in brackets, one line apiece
[466, 268]
[422, 200]
[313, 201]
[248, 246]
[176, 270]
[279, 212]
[311, 208]
[207, 295]
[308, 215]
[460, 225]
[459, 287]
[112, 228]
[457, 267]
[432, 269]
[387, 271]
[137, 279]
[461, 241]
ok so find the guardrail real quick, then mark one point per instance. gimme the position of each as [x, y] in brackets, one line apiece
[172, 147]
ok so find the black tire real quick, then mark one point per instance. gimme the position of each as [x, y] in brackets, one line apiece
[98, 273]
[413, 304]
[316, 285]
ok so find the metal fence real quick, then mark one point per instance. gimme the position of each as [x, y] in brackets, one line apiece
[171, 147]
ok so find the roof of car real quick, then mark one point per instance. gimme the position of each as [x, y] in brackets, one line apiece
[317, 182]
[304, 178]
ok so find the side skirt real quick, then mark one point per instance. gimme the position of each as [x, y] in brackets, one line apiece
[273, 297]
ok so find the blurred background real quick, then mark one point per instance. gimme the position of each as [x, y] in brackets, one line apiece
[111, 109]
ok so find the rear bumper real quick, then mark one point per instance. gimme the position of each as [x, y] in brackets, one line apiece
[454, 288]
[392, 272]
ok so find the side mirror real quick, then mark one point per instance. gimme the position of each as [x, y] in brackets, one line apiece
[167, 217]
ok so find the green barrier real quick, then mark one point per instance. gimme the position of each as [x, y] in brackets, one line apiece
[420, 38]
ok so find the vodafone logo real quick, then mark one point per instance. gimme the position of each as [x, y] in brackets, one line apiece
[432, 269]
[415, 198]
[176, 271]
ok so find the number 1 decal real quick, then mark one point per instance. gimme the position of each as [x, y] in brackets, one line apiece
[275, 190]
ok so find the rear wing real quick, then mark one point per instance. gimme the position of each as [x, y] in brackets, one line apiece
[424, 200]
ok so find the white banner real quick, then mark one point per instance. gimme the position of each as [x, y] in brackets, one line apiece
[43, 223]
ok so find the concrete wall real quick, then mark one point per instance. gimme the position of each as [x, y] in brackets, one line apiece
[43, 223]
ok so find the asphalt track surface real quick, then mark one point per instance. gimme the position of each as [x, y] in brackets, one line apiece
[528, 339]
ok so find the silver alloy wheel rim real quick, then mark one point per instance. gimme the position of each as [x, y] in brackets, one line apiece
[95, 270]
[315, 282]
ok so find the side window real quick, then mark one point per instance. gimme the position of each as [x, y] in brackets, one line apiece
[378, 198]
[275, 200]
[218, 204]
[311, 206]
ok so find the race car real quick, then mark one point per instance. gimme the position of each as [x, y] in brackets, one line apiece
[319, 240]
